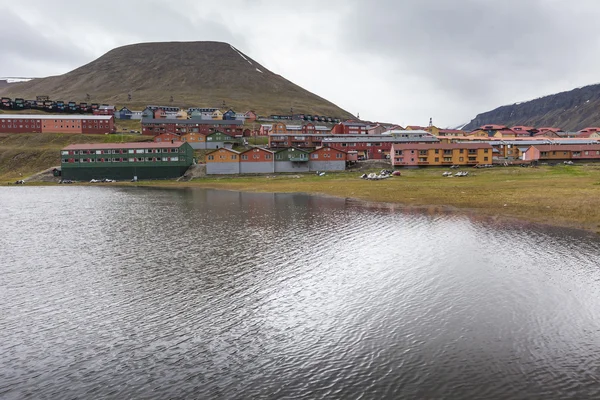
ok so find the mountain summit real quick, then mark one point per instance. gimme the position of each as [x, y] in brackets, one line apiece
[572, 111]
[191, 73]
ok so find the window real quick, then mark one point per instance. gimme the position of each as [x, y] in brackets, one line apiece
[267, 157]
[244, 157]
[211, 157]
[314, 155]
[339, 155]
[485, 158]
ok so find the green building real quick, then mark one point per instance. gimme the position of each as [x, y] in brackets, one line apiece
[124, 161]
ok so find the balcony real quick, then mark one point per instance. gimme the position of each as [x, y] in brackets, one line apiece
[298, 159]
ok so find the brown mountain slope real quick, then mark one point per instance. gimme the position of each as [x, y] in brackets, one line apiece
[203, 74]
[571, 111]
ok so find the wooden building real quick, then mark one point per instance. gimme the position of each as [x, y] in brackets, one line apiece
[126, 160]
[440, 154]
[28, 123]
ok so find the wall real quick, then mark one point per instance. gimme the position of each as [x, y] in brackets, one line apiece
[222, 168]
[327, 165]
[253, 167]
[289, 166]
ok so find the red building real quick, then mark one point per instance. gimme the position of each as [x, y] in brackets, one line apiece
[89, 124]
[350, 128]
[105, 110]
[153, 126]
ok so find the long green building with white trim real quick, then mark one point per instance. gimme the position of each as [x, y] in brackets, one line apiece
[124, 161]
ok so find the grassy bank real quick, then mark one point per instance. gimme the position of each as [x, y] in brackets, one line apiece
[22, 155]
[561, 195]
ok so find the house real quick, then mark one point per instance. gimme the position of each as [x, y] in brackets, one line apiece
[28, 123]
[181, 114]
[105, 110]
[229, 115]
[148, 113]
[440, 154]
[124, 113]
[327, 159]
[196, 140]
[250, 116]
[223, 162]
[257, 161]
[350, 127]
[291, 159]
[217, 140]
[124, 161]
[562, 152]
[136, 114]
[376, 129]
[159, 113]
[217, 115]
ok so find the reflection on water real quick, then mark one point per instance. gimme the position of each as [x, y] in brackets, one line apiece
[116, 293]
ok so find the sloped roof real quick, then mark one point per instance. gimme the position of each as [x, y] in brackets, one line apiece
[135, 145]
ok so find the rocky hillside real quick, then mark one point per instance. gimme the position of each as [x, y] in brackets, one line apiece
[571, 111]
[179, 73]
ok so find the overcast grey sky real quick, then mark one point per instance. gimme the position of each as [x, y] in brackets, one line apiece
[400, 61]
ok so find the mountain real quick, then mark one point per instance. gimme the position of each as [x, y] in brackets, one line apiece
[571, 111]
[202, 74]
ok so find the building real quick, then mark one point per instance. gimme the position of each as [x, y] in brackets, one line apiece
[307, 141]
[88, 124]
[223, 162]
[562, 152]
[257, 161]
[124, 161]
[168, 137]
[350, 128]
[105, 110]
[440, 154]
[217, 140]
[327, 159]
[152, 126]
[250, 116]
[451, 133]
[373, 147]
[292, 160]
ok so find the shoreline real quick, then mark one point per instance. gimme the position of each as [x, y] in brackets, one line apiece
[560, 197]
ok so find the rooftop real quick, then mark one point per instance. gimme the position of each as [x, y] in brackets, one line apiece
[191, 121]
[56, 116]
[137, 145]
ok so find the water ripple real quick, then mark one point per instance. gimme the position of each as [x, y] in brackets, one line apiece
[126, 293]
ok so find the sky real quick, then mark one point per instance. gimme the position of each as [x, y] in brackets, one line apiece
[400, 61]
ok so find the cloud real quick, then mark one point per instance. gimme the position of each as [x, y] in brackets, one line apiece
[398, 61]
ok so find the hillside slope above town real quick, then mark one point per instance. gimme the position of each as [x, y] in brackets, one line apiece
[201, 74]
[572, 111]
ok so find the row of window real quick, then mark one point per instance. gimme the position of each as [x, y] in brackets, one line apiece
[446, 152]
[437, 159]
[118, 160]
[121, 151]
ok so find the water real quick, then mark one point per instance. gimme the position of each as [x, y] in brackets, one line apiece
[141, 293]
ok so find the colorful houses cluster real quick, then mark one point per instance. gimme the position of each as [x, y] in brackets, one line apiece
[259, 160]
[43, 103]
[33, 123]
[195, 113]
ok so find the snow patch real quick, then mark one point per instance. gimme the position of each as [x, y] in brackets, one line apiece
[237, 51]
[259, 70]
[15, 80]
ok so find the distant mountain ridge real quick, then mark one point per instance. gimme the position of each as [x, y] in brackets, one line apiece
[203, 74]
[572, 111]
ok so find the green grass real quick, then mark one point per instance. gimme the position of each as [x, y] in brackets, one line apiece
[551, 195]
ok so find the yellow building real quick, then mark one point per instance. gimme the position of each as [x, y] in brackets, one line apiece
[440, 154]
[217, 115]
[182, 114]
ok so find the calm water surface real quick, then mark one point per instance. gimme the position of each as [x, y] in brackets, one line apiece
[141, 293]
